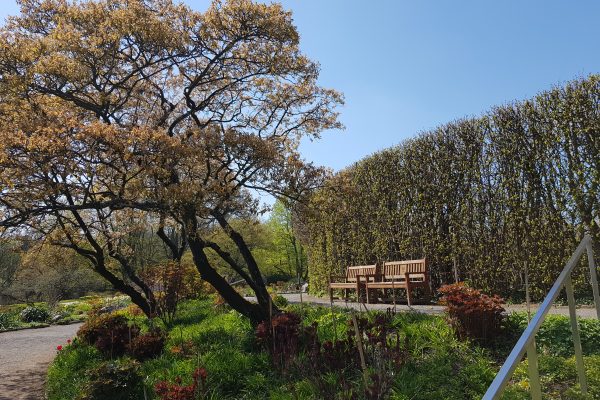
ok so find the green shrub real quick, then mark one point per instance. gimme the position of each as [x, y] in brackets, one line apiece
[280, 301]
[34, 314]
[8, 321]
[59, 315]
[554, 336]
[114, 380]
[376, 208]
[331, 324]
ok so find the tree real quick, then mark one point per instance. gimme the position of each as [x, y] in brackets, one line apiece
[258, 239]
[9, 262]
[52, 274]
[289, 252]
[115, 111]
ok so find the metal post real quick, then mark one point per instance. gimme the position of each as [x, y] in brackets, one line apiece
[527, 299]
[516, 355]
[593, 277]
[576, 338]
[535, 388]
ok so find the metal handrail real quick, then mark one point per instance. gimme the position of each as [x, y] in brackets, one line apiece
[526, 342]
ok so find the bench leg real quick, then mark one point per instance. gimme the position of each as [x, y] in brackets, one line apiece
[373, 295]
[408, 294]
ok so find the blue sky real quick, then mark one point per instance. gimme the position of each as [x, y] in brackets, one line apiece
[407, 66]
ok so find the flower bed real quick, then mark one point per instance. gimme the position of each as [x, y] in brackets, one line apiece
[214, 353]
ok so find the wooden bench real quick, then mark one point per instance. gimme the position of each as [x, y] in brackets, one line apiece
[355, 279]
[408, 275]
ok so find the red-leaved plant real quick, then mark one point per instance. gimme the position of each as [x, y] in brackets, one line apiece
[176, 391]
[384, 349]
[109, 333]
[148, 345]
[281, 338]
[176, 281]
[473, 314]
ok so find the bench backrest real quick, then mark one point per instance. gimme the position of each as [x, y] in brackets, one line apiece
[394, 270]
[362, 270]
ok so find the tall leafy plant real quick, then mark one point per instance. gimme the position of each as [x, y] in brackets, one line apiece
[481, 198]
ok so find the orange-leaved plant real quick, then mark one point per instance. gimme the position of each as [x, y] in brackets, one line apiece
[473, 314]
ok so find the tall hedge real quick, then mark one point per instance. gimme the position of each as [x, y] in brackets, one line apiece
[518, 185]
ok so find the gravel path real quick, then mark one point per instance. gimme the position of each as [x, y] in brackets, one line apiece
[24, 359]
[584, 312]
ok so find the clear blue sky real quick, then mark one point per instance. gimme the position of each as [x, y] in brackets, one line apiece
[407, 66]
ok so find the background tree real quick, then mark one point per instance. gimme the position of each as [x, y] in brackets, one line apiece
[258, 239]
[48, 273]
[9, 262]
[288, 254]
[278, 253]
[114, 108]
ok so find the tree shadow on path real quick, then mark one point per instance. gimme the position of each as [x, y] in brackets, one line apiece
[24, 384]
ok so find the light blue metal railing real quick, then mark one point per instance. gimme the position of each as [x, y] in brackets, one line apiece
[526, 342]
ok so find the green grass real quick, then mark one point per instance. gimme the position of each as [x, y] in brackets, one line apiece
[558, 378]
[221, 342]
[554, 336]
[440, 366]
[67, 374]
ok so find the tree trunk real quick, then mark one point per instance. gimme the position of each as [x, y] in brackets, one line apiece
[255, 312]
[260, 289]
[147, 306]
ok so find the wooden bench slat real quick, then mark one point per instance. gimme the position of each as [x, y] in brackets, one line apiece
[353, 279]
[406, 275]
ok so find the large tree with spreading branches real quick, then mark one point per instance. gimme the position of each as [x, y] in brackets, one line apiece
[116, 115]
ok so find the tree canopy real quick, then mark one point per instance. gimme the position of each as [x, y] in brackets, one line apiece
[120, 113]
